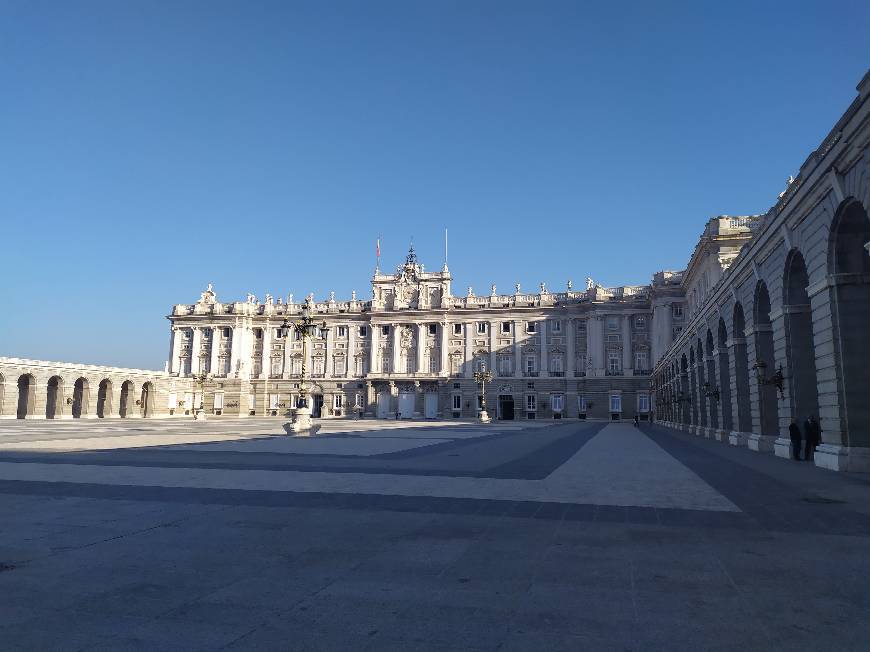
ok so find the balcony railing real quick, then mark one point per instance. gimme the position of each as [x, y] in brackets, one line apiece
[557, 374]
[579, 374]
[532, 374]
[613, 372]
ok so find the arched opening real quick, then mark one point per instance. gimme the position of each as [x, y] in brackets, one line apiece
[725, 378]
[711, 379]
[146, 402]
[741, 370]
[80, 398]
[693, 387]
[684, 390]
[54, 397]
[104, 399]
[849, 264]
[800, 348]
[125, 404]
[764, 362]
[702, 400]
[26, 396]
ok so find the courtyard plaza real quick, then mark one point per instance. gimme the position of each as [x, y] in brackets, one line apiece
[422, 535]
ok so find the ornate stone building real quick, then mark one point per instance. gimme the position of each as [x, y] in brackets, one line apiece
[411, 351]
[780, 330]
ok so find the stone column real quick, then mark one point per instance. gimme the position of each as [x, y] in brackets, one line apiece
[518, 352]
[329, 363]
[493, 327]
[195, 346]
[469, 349]
[215, 348]
[591, 360]
[544, 367]
[444, 346]
[235, 351]
[421, 348]
[266, 355]
[175, 361]
[571, 353]
[374, 365]
[627, 362]
[286, 366]
[349, 369]
[396, 349]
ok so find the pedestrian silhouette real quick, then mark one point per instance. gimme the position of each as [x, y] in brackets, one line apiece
[812, 434]
[794, 432]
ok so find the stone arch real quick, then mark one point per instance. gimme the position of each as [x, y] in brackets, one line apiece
[146, 400]
[710, 375]
[725, 377]
[104, 399]
[26, 396]
[81, 398]
[741, 370]
[683, 389]
[54, 398]
[768, 410]
[693, 386]
[125, 404]
[849, 287]
[800, 347]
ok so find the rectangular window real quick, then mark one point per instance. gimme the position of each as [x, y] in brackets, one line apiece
[433, 329]
[219, 401]
[342, 331]
[640, 322]
[612, 323]
[530, 385]
[481, 328]
[252, 401]
[557, 401]
[556, 365]
[616, 403]
[433, 365]
[226, 333]
[504, 365]
[505, 327]
[273, 401]
[357, 401]
[641, 361]
[643, 402]
[614, 361]
[340, 366]
[531, 327]
[188, 400]
[385, 330]
[581, 404]
[457, 329]
[277, 334]
[531, 402]
[173, 400]
[457, 402]
[677, 309]
[363, 331]
[338, 401]
[531, 366]
[258, 333]
[557, 326]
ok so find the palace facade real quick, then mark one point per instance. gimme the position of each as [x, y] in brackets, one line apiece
[768, 322]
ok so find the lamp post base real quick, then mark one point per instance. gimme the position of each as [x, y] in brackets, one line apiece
[199, 415]
[301, 425]
[484, 417]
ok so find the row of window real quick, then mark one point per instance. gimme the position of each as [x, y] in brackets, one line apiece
[557, 403]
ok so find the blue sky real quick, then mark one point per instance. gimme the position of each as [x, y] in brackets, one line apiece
[147, 148]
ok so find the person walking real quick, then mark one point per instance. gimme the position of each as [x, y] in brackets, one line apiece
[794, 432]
[636, 421]
[813, 436]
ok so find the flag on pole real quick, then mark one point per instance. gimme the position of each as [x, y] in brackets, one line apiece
[378, 248]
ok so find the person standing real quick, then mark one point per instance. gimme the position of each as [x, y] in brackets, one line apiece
[794, 433]
[813, 436]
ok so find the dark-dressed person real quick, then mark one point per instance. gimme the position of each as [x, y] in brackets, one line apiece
[794, 432]
[812, 435]
[636, 421]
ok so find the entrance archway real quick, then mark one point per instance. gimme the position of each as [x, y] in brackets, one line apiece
[849, 265]
[800, 348]
[53, 397]
[146, 401]
[80, 398]
[725, 378]
[104, 399]
[506, 407]
[125, 407]
[767, 399]
[26, 396]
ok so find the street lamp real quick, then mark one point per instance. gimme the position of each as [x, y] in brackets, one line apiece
[776, 379]
[199, 411]
[711, 392]
[305, 328]
[483, 377]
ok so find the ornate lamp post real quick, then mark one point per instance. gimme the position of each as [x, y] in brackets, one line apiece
[199, 410]
[483, 377]
[305, 327]
[776, 379]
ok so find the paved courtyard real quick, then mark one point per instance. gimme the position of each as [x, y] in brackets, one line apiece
[422, 536]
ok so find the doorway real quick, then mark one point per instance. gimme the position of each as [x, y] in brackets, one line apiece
[383, 405]
[506, 407]
[406, 405]
[316, 405]
[430, 406]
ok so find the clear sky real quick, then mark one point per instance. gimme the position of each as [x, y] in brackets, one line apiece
[148, 148]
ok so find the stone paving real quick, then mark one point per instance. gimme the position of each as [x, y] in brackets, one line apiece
[422, 536]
